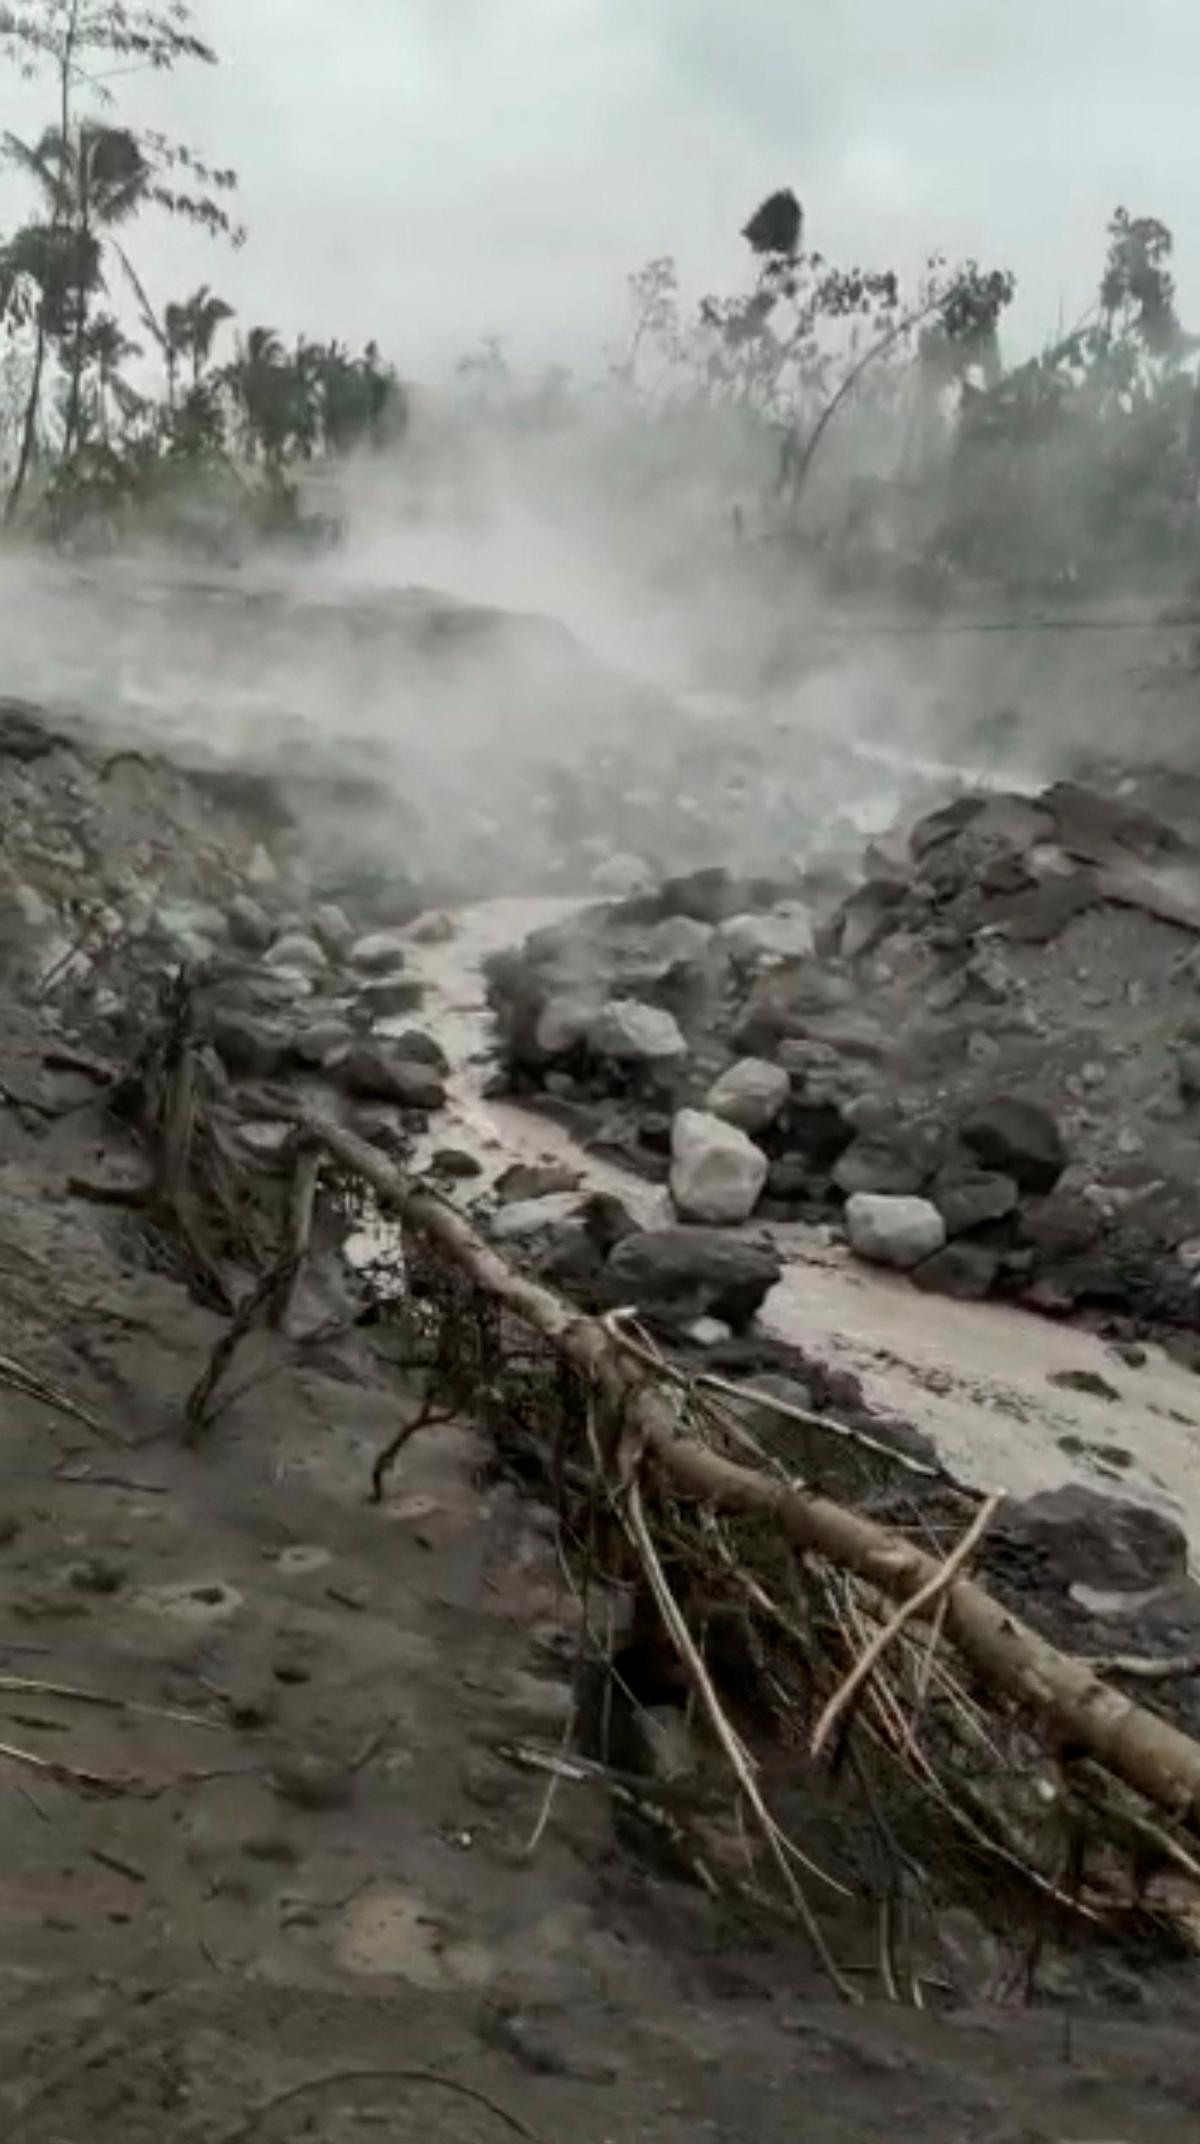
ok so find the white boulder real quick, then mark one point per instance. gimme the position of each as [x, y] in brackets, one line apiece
[899, 1232]
[750, 1094]
[717, 1174]
[632, 1033]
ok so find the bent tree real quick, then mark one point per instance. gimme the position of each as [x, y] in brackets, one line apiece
[93, 175]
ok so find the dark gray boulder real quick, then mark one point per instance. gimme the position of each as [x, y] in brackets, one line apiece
[377, 1072]
[1076, 1537]
[1017, 1137]
[688, 1273]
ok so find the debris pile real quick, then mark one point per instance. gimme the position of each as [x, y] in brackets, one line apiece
[985, 1058]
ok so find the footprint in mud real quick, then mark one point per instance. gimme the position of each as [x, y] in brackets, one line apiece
[394, 1933]
[214, 1602]
[301, 1560]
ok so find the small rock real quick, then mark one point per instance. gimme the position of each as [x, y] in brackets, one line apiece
[709, 895]
[454, 1164]
[900, 1232]
[563, 1024]
[190, 920]
[750, 1094]
[882, 1166]
[525, 1180]
[97, 1574]
[717, 1174]
[759, 941]
[632, 1033]
[248, 1047]
[249, 925]
[385, 1128]
[312, 1782]
[533, 1217]
[272, 1847]
[1088, 1382]
[298, 953]
[321, 1041]
[965, 1271]
[386, 997]
[710, 1332]
[250, 1706]
[332, 926]
[380, 953]
[970, 1198]
[267, 1141]
[436, 928]
[418, 1048]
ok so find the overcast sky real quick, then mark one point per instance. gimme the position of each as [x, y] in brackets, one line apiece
[430, 171]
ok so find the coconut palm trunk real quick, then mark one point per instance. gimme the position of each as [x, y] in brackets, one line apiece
[33, 403]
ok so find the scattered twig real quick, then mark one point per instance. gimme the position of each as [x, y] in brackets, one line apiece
[1141, 1669]
[76, 1478]
[98, 1069]
[917, 1605]
[200, 1411]
[370, 1749]
[66, 1775]
[36, 1387]
[428, 1416]
[556, 1774]
[24, 1686]
[782, 1852]
[134, 1196]
[119, 1867]
[433, 2079]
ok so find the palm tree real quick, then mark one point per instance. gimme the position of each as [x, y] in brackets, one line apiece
[191, 330]
[39, 252]
[261, 377]
[110, 177]
[90, 182]
[108, 348]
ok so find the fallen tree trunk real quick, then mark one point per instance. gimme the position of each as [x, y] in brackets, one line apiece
[1080, 1714]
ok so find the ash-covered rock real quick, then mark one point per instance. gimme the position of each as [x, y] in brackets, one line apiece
[1001, 1020]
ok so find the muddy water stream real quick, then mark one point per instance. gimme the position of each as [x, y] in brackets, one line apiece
[977, 1377]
